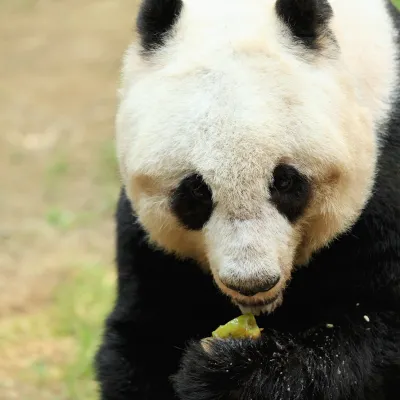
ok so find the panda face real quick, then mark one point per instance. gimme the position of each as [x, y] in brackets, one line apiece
[242, 140]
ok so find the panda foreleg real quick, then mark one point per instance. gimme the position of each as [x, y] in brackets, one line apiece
[340, 362]
[130, 368]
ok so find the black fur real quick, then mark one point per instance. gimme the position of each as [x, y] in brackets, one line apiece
[192, 202]
[306, 18]
[156, 18]
[290, 191]
[336, 336]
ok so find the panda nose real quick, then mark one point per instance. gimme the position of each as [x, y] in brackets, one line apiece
[251, 289]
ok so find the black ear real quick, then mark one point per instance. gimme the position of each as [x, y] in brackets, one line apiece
[305, 18]
[155, 19]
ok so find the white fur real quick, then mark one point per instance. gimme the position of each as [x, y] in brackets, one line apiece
[230, 96]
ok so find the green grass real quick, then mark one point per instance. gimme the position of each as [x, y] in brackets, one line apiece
[80, 309]
[69, 330]
[60, 219]
[58, 169]
[60, 176]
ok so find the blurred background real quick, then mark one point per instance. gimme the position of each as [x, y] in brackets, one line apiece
[59, 71]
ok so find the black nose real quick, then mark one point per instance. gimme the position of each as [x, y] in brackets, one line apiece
[251, 289]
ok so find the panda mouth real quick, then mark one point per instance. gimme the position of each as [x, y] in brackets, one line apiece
[265, 306]
[256, 303]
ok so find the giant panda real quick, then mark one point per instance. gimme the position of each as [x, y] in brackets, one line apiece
[259, 149]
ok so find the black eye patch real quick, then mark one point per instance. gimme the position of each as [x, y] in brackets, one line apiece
[290, 191]
[192, 202]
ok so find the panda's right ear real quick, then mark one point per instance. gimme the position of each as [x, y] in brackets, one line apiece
[155, 20]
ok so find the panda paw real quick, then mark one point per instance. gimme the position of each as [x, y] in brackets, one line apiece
[230, 369]
[207, 372]
[237, 369]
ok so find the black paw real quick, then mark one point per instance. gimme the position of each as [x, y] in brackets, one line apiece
[218, 370]
[267, 368]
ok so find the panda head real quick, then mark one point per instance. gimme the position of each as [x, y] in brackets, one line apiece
[242, 140]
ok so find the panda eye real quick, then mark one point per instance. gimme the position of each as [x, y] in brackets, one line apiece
[290, 191]
[192, 203]
[199, 192]
[283, 180]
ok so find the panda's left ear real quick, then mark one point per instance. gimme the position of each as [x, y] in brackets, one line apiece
[306, 19]
[155, 20]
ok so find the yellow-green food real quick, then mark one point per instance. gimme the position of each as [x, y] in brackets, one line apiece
[244, 326]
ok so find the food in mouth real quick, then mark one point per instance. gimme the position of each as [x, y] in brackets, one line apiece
[241, 327]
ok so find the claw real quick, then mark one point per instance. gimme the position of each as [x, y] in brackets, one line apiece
[206, 344]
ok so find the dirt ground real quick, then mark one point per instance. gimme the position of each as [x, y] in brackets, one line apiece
[59, 66]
